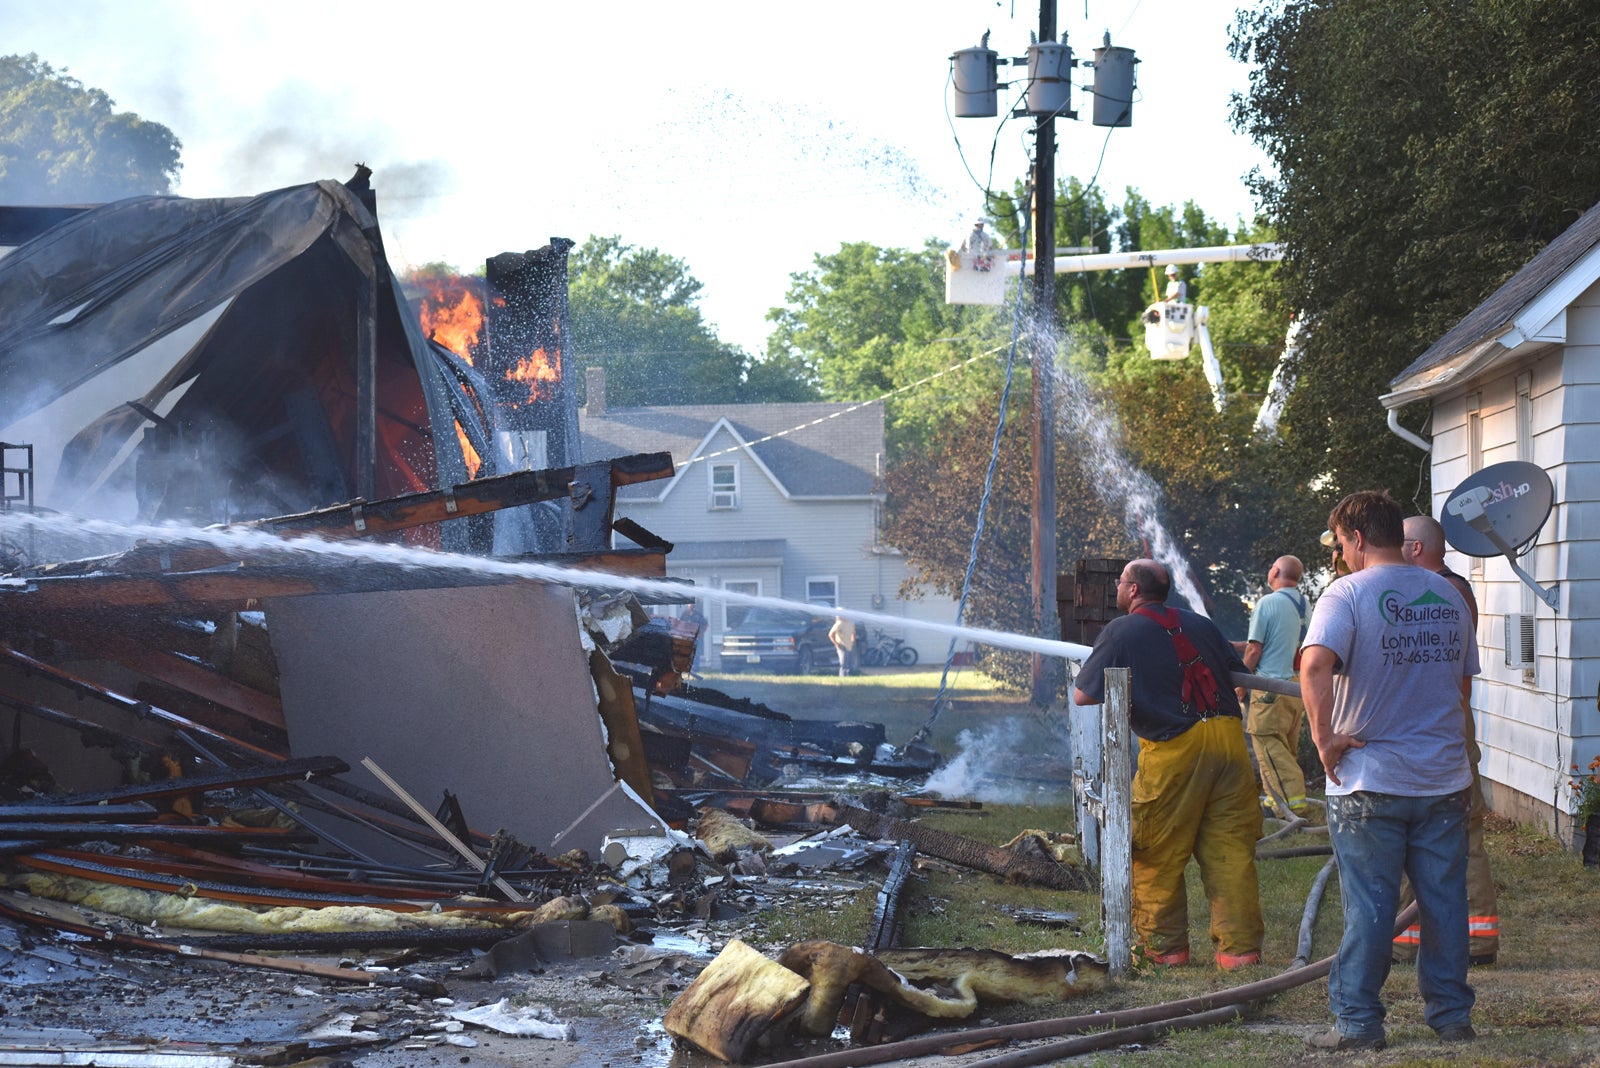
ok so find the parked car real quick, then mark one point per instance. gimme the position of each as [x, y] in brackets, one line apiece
[770, 639]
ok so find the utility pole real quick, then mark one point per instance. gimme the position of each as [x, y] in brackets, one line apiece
[1049, 95]
[1046, 670]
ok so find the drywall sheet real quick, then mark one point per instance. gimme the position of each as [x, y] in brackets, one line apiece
[482, 691]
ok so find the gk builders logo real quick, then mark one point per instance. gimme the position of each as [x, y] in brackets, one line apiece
[1429, 608]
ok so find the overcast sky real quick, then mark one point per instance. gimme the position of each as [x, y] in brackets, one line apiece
[742, 137]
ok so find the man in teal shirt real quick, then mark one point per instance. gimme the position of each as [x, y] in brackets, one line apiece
[1273, 720]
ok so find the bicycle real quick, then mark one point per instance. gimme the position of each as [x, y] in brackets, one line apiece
[883, 650]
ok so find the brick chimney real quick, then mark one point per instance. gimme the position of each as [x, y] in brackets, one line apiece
[595, 391]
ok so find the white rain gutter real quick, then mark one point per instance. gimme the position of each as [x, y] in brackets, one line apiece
[1405, 435]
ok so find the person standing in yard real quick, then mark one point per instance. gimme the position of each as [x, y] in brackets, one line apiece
[1424, 547]
[1273, 720]
[1386, 663]
[1194, 793]
[843, 636]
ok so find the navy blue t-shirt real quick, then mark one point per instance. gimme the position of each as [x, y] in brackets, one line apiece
[1156, 677]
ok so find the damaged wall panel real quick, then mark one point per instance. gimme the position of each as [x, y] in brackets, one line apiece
[482, 691]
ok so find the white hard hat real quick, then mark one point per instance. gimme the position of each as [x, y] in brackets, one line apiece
[1172, 268]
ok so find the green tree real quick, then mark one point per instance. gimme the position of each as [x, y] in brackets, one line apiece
[1422, 153]
[61, 142]
[1129, 429]
[634, 311]
[866, 321]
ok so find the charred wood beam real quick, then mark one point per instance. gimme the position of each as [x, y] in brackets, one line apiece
[366, 518]
[36, 831]
[92, 734]
[98, 870]
[367, 380]
[967, 852]
[217, 866]
[863, 1006]
[886, 919]
[363, 518]
[182, 673]
[199, 784]
[241, 587]
[25, 811]
[138, 709]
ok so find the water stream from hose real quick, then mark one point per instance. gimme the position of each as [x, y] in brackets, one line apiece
[242, 542]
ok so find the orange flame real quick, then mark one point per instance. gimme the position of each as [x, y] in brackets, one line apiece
[474, 461]
[537, 372]
[452, 314]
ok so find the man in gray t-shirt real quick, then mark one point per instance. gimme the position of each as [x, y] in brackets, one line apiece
[1386, 660]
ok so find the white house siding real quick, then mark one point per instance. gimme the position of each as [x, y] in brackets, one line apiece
[831, 538]
[1532, 729]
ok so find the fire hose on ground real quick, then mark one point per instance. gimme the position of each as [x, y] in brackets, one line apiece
[1127, 1025]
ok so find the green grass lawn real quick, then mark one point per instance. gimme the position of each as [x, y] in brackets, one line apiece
[1539, 1006]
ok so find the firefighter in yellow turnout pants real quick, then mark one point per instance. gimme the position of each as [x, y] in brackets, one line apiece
[1273, 721]
[1194, 793]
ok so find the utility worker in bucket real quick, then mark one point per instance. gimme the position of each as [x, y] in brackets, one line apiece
[1194, 793]
[1177, 288]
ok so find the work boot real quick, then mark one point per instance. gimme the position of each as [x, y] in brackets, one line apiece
[1175, 958]
[1332, 1039]
[1461, 1032]
[1230, 961]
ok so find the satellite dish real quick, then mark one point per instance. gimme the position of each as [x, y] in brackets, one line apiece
[1499, 509]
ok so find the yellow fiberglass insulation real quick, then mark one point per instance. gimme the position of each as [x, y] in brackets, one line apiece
[174, 910]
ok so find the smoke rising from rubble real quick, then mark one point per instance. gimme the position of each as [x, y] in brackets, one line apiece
[986, 767]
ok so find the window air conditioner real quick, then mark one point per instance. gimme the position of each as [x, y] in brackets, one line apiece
[721, 501]
[1519, 641]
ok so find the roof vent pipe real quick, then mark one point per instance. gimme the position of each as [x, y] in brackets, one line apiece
[1406, 435]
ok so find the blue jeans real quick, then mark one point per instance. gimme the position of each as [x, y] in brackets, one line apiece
[1375, 838]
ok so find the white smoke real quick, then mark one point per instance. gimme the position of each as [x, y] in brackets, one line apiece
[986, 768]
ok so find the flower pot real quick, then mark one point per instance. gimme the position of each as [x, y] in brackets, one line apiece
[1591, 841]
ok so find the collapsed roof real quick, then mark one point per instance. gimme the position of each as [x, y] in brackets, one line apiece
[267, 333]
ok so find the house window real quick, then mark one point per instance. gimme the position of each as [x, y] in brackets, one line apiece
[733, 614]
[823, 592]
[724, 487]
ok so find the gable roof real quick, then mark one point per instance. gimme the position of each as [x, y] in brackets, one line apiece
[1528, 311]
[810, 450]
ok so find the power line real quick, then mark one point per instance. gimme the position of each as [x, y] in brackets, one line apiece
[852, 408]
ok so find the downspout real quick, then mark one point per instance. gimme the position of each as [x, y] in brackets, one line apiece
[1406, 435]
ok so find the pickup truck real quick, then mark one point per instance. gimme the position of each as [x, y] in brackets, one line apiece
[772, 640]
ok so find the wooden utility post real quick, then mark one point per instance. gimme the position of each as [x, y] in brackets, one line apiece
[1046, 670]
[1116, 840]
